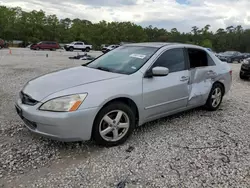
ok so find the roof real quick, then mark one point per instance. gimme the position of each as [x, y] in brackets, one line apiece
[150, 44]
[161, 44]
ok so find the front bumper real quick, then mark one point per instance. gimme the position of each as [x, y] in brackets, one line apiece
[62, 126]
[245, 70]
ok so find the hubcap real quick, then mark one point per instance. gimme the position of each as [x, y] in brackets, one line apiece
[216, 97]
[114, 125]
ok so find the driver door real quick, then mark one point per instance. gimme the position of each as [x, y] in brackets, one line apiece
[78, 45]
[165, 94]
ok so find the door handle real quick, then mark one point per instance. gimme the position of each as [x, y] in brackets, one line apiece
[184, 78]
[210, 72]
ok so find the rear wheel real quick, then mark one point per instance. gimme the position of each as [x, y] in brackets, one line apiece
[37, 48]
[215, 97]
[87, 49]
[113, 124]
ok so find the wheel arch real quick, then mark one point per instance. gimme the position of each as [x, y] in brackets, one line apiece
[126, 100]
[222, 84]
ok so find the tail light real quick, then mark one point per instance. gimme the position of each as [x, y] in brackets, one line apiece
[231, 72]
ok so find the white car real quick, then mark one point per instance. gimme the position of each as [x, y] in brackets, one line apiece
[78, 46]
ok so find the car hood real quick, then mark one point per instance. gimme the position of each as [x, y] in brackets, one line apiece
[45, 85]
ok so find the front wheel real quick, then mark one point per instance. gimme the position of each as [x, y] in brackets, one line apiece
[215, 97]
[113, 124]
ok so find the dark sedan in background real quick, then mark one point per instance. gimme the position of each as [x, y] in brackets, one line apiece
[245, 69]
[231, 56]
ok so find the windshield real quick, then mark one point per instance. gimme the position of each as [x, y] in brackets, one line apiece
[124, 60]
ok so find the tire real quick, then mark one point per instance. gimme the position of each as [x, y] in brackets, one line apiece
[110, 112]
[243, 77]
[216, 91]
[71, 49]
[37, 48]
[87, 49]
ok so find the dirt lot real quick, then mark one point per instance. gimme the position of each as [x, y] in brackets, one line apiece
[191, 149]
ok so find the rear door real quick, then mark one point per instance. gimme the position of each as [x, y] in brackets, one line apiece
[78, 45]
[164, 94]
[46, 45]
[202, 70]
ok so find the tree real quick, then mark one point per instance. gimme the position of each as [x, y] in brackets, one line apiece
[207, 43]
[34, 26]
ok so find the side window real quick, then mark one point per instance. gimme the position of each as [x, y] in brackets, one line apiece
[172, 59]
[210, 61]
[78, 43]
[197, 58]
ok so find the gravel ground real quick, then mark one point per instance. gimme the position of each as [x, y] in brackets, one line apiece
[192, 149]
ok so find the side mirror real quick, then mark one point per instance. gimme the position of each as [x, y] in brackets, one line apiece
[157, 71]
[160, 71]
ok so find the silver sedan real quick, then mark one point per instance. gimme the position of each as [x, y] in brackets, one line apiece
[108, 97]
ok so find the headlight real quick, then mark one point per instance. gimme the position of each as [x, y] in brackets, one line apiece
[246, 62]
[64, 104]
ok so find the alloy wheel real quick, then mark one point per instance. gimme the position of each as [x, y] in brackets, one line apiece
[114, 125]
[216, 97]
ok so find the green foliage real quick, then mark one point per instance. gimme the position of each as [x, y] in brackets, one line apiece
[207, 43]
[35, 26]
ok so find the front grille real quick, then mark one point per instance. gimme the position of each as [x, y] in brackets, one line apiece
[26, 99]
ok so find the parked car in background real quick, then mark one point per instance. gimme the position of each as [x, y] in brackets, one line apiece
[78, 45]
[108, 97]
[109, 48]
[231, 56]
[45, 45]
[3, 44]
[245, 69]
[246, 55]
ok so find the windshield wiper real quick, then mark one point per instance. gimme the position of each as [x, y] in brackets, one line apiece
[103, 69]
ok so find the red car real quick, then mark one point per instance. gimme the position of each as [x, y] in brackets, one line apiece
[45, 45]
[2, 43]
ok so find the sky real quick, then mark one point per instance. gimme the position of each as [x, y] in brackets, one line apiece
[168, 14]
